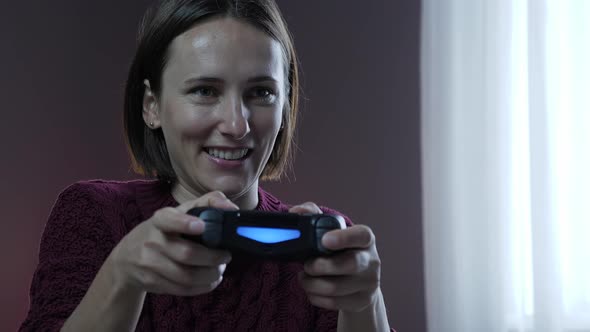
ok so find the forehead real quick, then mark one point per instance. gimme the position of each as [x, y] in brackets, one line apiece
[226, 48]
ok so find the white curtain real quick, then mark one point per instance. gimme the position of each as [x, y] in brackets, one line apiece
[506, 164]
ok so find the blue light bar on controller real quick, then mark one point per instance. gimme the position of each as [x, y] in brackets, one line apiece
[268, 235]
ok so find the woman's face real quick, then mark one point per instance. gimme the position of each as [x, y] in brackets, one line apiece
[220, 106]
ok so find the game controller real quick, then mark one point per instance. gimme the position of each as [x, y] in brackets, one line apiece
[287, 236]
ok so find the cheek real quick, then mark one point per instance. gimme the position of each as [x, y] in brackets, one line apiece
[268, 125]
[184, 121]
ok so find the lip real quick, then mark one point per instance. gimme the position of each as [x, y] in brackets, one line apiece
[225, 147]
[227, 164]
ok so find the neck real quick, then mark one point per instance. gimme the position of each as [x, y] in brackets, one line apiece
[246, 200]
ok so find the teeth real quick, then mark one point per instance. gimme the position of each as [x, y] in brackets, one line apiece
[227, 154]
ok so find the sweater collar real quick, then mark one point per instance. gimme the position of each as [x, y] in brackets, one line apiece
[152, 195]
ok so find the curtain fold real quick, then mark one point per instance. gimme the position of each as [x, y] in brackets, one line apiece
[506, 156]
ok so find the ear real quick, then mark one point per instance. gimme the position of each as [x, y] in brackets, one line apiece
[151, 112]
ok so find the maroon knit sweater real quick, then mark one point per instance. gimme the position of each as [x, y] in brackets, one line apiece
[90, 218]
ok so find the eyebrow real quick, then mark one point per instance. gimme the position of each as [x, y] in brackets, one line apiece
[264, 78]
[208, 79]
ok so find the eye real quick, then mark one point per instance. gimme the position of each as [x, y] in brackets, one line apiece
[204, 91]
[263, 94]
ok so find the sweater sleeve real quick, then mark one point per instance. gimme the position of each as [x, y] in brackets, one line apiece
[74, 244]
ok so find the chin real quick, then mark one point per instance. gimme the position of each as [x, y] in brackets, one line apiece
[231, 187]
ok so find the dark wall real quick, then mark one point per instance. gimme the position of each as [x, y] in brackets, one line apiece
[63, 66]
[359, 139]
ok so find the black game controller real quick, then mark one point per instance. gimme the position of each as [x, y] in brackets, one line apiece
[287, 236]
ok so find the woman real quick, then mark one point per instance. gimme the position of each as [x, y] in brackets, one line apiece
[211, 107]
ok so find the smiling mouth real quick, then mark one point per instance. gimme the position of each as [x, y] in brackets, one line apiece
[228, 154]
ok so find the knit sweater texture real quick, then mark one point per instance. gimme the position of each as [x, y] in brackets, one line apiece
[87, 221]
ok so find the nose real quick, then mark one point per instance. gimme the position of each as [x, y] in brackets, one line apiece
[234, 119]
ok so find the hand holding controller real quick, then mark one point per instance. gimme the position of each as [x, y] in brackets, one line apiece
[288, 236]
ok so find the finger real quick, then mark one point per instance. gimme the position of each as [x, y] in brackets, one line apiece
[157, 283]
[353, 303]
[194, 277]
[350, 262]
[357, 236]
[221, 203]
[190, 253]
[189, 277]
[180, 277]
[307, 207]
[169, 220]
[334, 286]
[216, 199]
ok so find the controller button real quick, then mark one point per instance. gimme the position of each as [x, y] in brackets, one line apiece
[211, 215]
[327, 222]
[212, 235]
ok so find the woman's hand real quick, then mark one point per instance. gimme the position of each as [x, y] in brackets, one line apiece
[346, 281]
[154, 257]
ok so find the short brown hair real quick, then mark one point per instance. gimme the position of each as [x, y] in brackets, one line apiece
[161, 24]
